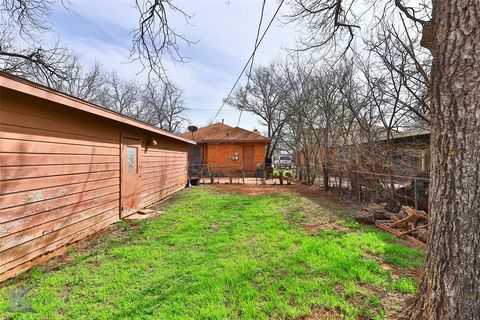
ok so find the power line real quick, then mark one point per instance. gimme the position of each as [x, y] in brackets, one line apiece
[251, 57]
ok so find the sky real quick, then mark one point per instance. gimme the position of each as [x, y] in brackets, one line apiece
[225, 31]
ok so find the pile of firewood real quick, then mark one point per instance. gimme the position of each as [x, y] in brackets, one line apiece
[409, 224]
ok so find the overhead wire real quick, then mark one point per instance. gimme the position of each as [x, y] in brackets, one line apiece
[253, 58]
[250, 59]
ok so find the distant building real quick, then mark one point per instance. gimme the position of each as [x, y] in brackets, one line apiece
[222, 145]
[410, 150]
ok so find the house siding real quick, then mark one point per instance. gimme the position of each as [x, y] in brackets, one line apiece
[60, 176]
[222, 153]
[163, 171]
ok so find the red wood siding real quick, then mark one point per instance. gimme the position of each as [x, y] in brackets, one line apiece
[163, 171]
[60, 176]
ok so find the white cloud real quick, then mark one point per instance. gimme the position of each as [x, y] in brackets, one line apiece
[99, 31]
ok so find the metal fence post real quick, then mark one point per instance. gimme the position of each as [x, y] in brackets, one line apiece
[359, 187]
[415, 190]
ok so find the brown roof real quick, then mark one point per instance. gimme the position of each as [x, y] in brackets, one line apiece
[380, 134]
[34, 89]
[219, 132]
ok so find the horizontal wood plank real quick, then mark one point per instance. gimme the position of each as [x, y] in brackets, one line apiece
[22, 146]
[17, 225]
[12, 186]
[30, 134]
[59, 123]
[30, 159]
[26, 197]
[22, 172]
[30, 234]
[38, 207]
[53, 241]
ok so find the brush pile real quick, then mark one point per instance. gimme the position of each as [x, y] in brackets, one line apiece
[409, 224]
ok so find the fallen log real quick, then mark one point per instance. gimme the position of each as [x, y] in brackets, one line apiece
[412, 230]
[391, 216]
[404, 221]
[369, 215]
[412, 211]
[397, 233]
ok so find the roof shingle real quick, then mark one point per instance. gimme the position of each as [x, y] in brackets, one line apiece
[219, 132]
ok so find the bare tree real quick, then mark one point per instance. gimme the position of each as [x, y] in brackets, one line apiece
[165, 106]
[450, 285]
[300, 128]
[396, 47]
[22, 52]
[122, 96]
[265, 98]
[320, 99]
[85, 84]
[155, 38]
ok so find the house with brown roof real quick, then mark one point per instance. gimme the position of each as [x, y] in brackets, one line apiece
[220, 144]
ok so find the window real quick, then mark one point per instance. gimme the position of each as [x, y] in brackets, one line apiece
[131, 160]
[196, 155]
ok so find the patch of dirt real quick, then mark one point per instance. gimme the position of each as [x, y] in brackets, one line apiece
[313, 214]
[254, 190]
[393, 302]
[311, 229]
[317, 207]
[310, 192]
[315, 228]
[386, 266]
[321, 314]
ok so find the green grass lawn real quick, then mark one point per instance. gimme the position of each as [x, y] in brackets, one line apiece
[221, 256]
[285, 172]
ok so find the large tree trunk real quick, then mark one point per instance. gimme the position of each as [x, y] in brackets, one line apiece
[451, 285]
[326, 178]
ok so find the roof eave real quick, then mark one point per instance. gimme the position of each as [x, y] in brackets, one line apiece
[34, 89]
[231, 141]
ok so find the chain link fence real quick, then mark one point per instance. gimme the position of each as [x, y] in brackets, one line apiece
[391, 189]
[265, 173]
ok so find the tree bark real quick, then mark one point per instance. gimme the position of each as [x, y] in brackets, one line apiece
[451, 285]
[326, 178]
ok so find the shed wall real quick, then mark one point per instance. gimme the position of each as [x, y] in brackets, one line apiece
[163, 171]
[60, 176]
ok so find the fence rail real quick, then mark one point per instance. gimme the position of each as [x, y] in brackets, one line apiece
[228, 172]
